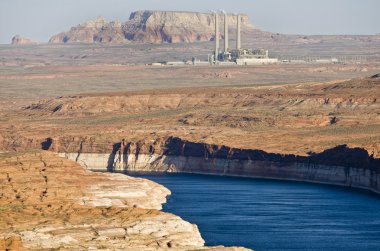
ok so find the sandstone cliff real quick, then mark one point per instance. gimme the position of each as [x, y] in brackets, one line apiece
[341, 165]
[149, 27]
[173, 146]
[49, 203]
[19, 40]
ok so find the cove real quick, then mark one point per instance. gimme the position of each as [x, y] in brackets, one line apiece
[273, 215]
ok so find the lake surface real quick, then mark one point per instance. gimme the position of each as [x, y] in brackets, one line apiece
[274, 215]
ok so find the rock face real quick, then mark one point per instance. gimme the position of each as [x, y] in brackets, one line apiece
[340, 165]
[47, 202]
[149, 27]
[18, 40]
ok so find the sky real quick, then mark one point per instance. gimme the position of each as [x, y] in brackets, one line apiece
[40, 19]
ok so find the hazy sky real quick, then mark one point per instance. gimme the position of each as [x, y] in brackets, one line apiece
[40, 19]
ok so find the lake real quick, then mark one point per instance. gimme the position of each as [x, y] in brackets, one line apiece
[273, 215]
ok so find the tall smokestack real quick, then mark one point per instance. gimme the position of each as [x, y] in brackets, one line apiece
[225, 32]
[216, 36]
[238, 41]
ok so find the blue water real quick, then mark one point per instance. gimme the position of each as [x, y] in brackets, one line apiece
[274, 215]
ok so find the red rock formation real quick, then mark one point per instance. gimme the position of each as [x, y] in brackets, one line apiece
[149, 27]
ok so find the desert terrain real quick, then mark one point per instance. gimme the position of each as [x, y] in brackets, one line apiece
[102, 98]
[243, 107]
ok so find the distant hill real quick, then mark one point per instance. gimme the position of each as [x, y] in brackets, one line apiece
[19, 40]
[150, 27]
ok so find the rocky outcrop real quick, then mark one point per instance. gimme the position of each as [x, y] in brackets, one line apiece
[149, 27]
[47, 202]
[97, 30]
[340, 165]
[18, 40]
[352, 94]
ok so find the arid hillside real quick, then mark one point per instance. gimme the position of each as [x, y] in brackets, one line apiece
[96, 97]
[86, 100]
[291, 119]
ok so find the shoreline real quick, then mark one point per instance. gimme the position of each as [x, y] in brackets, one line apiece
[358, 189]
[351, 177]
[71, 208]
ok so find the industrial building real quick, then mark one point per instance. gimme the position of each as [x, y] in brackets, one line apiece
[242, 56]
[238, 55]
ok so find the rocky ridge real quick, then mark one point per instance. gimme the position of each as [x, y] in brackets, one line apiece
[47, 202]
[333, 96]
[316, 106]
[341, 165]
[148, 27]
[333, 110]
[338, 156]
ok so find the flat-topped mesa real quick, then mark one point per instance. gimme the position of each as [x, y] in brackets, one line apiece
[175, 27]
[150, 27]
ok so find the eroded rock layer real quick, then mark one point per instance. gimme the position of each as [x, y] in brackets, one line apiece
[47, 202]
[340, 165]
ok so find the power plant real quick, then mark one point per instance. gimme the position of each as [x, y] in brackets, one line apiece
[238, 55]
[242, 56]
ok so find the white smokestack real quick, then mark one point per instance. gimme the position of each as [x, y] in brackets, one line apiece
[238, 41]
[225, 32]
[216, 36]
